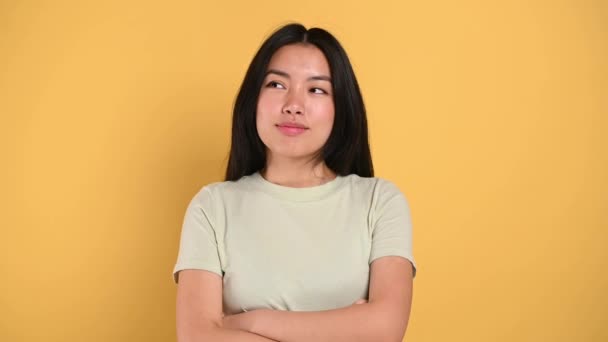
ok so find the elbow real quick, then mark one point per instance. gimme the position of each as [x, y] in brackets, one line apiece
[394, 337]
[384, 333]
[390, 327]
[395, 331]
[390, 334]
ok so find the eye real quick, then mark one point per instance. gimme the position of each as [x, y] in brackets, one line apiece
[317, 91]
[275, 84]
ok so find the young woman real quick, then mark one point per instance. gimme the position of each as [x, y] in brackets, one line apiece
[301, 242]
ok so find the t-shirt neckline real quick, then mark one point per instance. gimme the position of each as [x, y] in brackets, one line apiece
[297, 194]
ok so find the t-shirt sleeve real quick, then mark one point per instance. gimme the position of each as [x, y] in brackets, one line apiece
[391, 224]
[198, 248]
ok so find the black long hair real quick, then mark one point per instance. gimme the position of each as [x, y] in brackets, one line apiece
[347, 148]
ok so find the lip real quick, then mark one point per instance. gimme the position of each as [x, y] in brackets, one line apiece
[291, 128]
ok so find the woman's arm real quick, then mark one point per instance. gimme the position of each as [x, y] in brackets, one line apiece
[199, 310]
[383, 318]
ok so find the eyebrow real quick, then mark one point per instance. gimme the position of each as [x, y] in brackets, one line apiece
[286, 75]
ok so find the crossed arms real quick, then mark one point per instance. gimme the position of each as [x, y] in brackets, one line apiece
[383, 317]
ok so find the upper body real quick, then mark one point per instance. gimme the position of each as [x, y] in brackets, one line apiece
[300, 243]
[296, 249]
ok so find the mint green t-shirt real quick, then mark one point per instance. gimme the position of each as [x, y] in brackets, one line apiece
[297, 249]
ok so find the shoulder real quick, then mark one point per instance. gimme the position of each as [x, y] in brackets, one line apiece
[216, 192]
[377, 187]
[387, 189]
[387, 196]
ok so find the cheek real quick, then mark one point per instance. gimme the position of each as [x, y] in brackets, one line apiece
[262, 111]
[265, 119]
[261, 122]
[268, 102]
[325, 118]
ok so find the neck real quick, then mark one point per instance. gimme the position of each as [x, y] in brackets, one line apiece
[296, 173]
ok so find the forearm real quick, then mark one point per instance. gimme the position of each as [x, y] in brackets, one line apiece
[366, 322]
[219, 334]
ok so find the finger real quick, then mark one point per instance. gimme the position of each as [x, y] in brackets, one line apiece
[360, 301]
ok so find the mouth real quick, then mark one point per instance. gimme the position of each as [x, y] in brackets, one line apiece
[291, 129]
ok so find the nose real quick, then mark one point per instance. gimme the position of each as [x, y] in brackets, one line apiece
[294, 104]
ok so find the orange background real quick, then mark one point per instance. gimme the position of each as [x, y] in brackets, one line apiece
[491, 116]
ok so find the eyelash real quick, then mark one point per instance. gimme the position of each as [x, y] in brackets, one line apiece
[274, 84]
[322, 91]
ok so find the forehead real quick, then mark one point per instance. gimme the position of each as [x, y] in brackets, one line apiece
[300, 58]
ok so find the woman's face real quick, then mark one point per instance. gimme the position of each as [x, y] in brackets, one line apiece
[295, 111]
